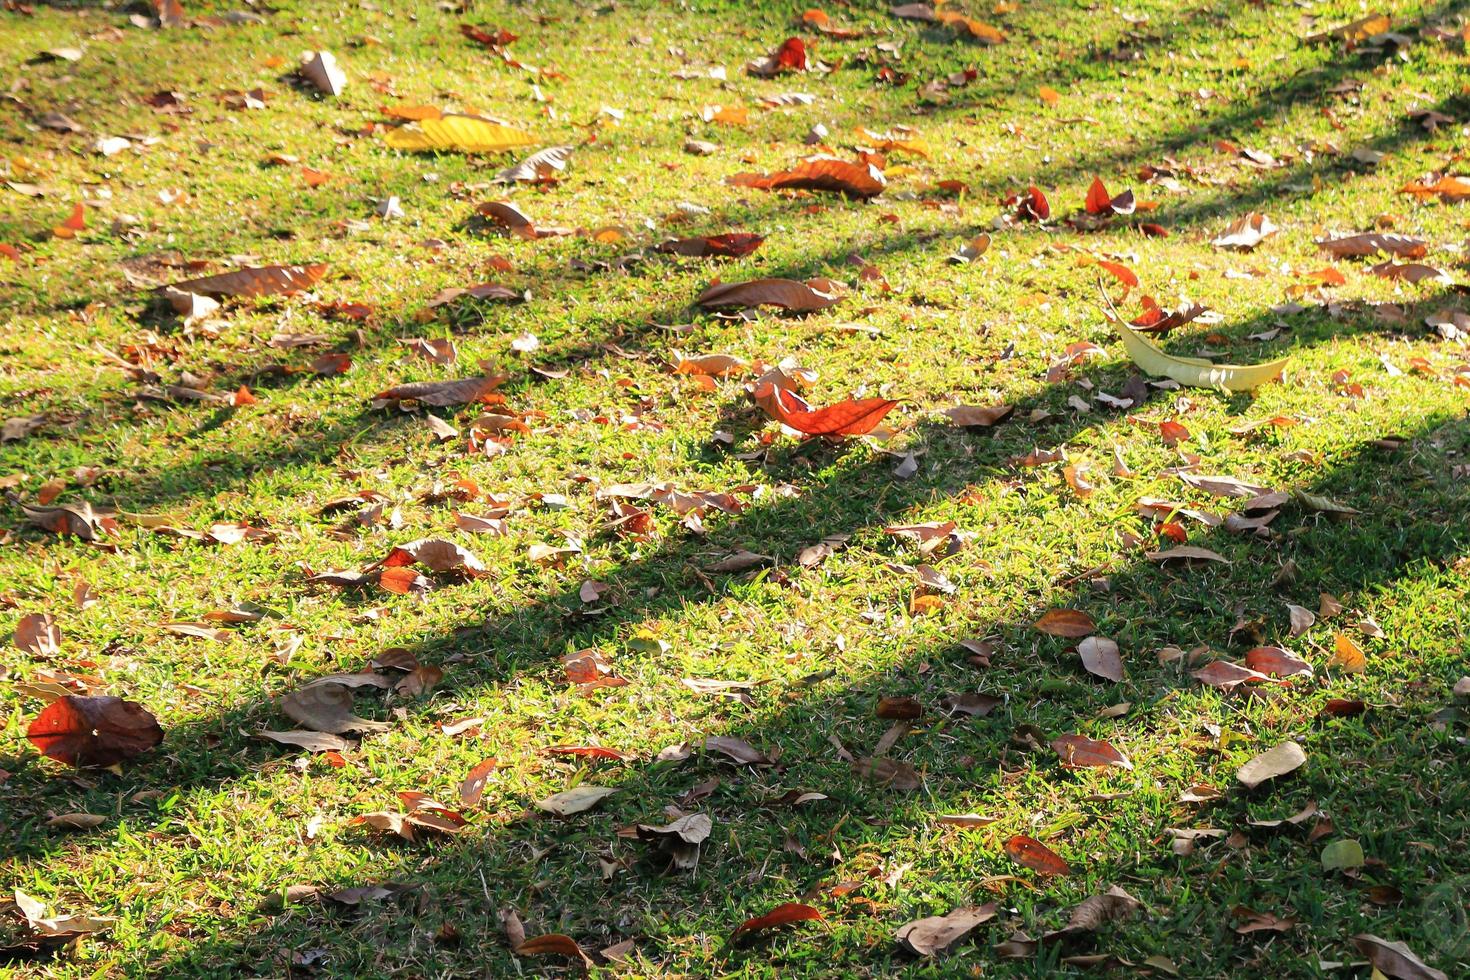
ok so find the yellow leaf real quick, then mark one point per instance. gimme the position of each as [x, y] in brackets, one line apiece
[467, 134]
[1347, 656]
[1195, 371]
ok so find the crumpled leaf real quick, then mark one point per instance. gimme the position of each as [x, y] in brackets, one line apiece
[1284, 758]
[93, 731]
[680, 839]
[554, 944]
[732, 245]
[442, 393]
[846, 418]
[539, 166]
[788, 294]
[1246, 232]
[465, 134]
[1094, 912]
[819, 173]
[889, 772]
[737, 749]
[266, 280]
[436, 554]
[34, 911]
[79, 520]
[38, 635]
[925, 937]
[326, 706]
[1374, 243]
[322, 70]
[979, 416]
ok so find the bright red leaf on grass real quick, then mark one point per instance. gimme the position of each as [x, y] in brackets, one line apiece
[75, 222]
[792, 54]
[101, 731]
[1100, 202]
[1031, 206]
[847, 418]
[781, 915]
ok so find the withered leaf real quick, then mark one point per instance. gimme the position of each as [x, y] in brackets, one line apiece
[1394, 959]
[819, 173]
[788, 294]
[888, 772]
[781, 915]
[978, 416]
[575, 800]
[737, 749]
[443, 393]
[311, 741]
[1284, 758]
[93, 731]
[1080, 751]
[847, 418]
[326, 707]
[1100, 657]
[1071, 623]
[435, 554]
[38, 635]
[269, 280]
[1031, 853]
[925, 937]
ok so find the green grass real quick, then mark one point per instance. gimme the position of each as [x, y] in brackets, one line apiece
[201, 833]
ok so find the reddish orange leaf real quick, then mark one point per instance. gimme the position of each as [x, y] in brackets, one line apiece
[781, 915]
[1071, 623]
[1032, 853]
[847, 418]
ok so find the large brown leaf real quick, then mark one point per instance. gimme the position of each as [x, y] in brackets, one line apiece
[925, 937]
[1394, 959]
[1072, 623]
[442, 393]
[820, 173]
[436, 554]
[101, 731]
[788, 294]
[326, 706]
[1374, 243]
[847, 418]
[268, 280]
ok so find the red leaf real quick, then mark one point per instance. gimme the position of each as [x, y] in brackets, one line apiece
[1032, 853]
[1099, 201]
[1122, 273]
[781, 915]
[847, 418]
[101, 731]
[792, 54]
[1033, 205]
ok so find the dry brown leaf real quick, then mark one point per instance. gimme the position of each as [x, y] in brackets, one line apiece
[269, 280]
[788, 294]
[1284, 758]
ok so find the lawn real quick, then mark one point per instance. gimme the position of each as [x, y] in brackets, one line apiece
[654, 561]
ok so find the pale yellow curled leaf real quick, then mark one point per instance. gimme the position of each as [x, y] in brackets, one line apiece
[1196, 371]
[467, 134]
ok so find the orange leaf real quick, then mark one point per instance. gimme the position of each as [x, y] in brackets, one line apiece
[554, 943]
[781, 915]
[847, 418]
[1032, 853]
[1065, 622]
[1122, 273]
[819, 173]
[75, 222]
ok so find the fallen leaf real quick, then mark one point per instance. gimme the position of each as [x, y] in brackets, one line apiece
[1071, 623]
[1194, 371]
[1100, 657]
[472, 787]
[1031, 853]
[466, 134]
[733, 245]
[93, 731]
[38, 635]
[443, 393]
[539, 166]
[325, 705]
[1284, 758]
[555, 944]
[788, 294]
[1079, 751]
[926, 937]
[820, 173]
[1394, 959]
[979, 417]
[269, 280]
[781, 915]
[1374, 243]
[847, 418]
[311, 741]
[1347, 656]
[889, 773]
[321, 69]
[575, 800]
